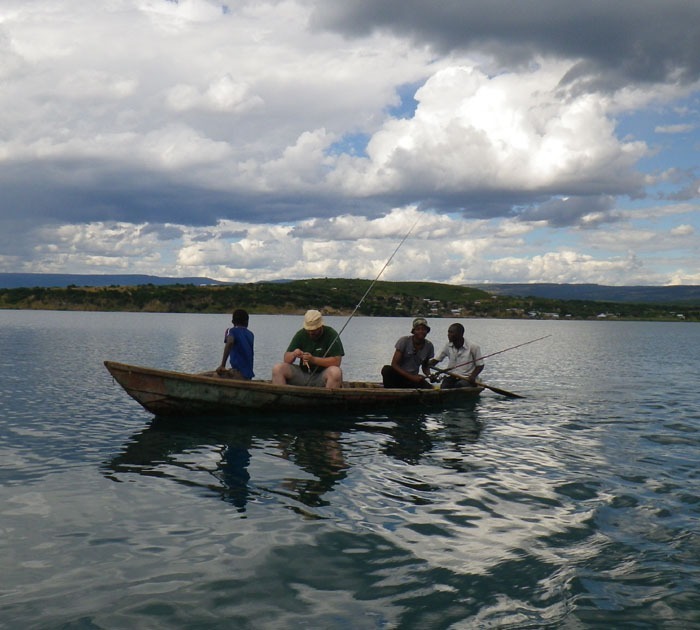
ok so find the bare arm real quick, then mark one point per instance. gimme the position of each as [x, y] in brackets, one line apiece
[395, 363]
[322, 362]
[309, 359]
[475, 372]
[227, 350]
[440, 357]
[292, 355]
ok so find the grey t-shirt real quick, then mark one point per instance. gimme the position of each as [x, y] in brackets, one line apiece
[412, 359]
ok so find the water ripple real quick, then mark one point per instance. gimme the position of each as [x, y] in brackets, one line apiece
[576, 506]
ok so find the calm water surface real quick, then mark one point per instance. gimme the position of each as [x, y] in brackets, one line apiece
[576, 507]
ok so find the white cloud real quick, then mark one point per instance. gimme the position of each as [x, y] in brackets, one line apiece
[88, 84]
[239, 131]
[442, 248]
[567, 267]
[683, 230]
[222, 95]
[680, 128]
[514, 131]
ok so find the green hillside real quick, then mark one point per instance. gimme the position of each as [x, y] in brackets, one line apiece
[333, 296]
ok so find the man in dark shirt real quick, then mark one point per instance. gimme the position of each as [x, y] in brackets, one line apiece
[319, 350]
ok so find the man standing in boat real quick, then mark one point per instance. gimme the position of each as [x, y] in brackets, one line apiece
[411, 354]
[319, 350]
[464, 360]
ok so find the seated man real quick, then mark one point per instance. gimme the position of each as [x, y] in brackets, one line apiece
[464, 360]
[238, 348]
[319, 350]
[411, 353]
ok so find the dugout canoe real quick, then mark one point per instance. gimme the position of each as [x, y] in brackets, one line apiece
[168, 393]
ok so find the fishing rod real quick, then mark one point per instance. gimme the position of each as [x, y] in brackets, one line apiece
[386, 264]
[486, 356]
[362, 299]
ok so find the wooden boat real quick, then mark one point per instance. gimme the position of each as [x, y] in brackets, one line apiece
[167, 393]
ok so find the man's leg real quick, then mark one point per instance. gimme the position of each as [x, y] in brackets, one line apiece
[392, 379]
[333, 376]
[281, 373]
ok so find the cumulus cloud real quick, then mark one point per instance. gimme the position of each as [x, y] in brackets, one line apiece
[473, 134]
[222, 95]
[569, 267]
[244, 140]
[514, 136]
[683, 230]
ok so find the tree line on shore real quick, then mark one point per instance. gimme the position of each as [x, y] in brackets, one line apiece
[334, 296]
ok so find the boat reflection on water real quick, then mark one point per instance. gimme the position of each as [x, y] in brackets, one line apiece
[218, 457]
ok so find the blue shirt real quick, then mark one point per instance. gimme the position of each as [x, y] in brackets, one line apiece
[241, 355]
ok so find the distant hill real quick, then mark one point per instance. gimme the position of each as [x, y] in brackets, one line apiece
[688, 294]
[334, 296]
[597, 292]
[30, 280]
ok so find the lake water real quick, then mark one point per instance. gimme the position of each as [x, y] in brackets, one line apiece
[575, 507]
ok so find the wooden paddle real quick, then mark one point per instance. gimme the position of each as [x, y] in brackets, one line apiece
[497, 390]
[502, 392]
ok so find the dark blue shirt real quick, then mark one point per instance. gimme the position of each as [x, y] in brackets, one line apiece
[241, 355]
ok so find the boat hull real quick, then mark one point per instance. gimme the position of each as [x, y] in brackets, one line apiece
[167, 393]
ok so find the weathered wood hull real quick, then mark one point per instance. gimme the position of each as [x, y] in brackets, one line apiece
[167, 393]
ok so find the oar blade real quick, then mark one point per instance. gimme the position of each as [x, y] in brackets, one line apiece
[502, 392]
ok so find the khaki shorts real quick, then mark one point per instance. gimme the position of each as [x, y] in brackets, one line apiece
[302, 378]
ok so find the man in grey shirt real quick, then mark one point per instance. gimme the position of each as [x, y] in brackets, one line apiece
[412, 353]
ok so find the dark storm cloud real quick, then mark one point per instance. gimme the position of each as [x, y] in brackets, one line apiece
[622, 40]
[162, 232]
[478, 205]
[43, 193]
[123, 198]
[581, 211]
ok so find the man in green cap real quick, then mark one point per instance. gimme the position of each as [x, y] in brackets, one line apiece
[412, 353]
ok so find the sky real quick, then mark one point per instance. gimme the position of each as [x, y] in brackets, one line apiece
[478, 141]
